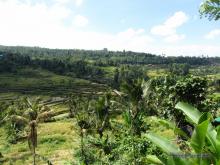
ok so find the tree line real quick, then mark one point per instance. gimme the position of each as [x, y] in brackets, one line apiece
[108, 58]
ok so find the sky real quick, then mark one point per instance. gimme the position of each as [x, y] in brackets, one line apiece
[163, 27]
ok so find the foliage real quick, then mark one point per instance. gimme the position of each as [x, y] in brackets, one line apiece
[204, 141]
[79, 108]
[106, 127]
[179, 69]
[169, 90]
[64, 58]
[210, 9]
[15, 124]
[22, 122]
[191, 89]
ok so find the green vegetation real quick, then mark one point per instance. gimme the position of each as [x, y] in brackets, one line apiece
[204, 142]
[211, 9]
[96, 107]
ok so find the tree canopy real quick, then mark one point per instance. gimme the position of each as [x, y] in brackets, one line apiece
[210, 9]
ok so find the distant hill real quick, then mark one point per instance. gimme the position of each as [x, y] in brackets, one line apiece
[105, 57]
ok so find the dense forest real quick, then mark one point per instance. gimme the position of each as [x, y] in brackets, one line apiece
[107, 58]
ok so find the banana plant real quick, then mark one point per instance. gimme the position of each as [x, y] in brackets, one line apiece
[205, 141]
[33, 114]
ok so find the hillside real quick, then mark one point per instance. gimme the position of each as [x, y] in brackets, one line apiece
[101, 107]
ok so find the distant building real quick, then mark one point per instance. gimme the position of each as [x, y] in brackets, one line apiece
[105, 50]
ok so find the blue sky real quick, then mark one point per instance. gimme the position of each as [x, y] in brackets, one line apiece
[171, 27]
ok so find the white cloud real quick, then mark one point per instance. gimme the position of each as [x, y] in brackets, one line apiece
[26, 24]
[130, 33]
[169, 27]
[80, 21]
[162, 30]
[213, 34]
[64, 2]
[130, 39]
[174, 38]
[78, 2]
[177, 20]
[41, 25]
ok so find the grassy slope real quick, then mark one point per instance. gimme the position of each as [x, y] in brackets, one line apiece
[56, 141]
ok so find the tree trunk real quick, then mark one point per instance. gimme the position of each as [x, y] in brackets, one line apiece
[34, 155]
[82, 146]
[133, 135]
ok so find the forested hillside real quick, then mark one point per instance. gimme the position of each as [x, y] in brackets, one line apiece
[107, 58]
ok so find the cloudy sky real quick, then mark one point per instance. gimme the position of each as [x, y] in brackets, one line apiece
[171, 27]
